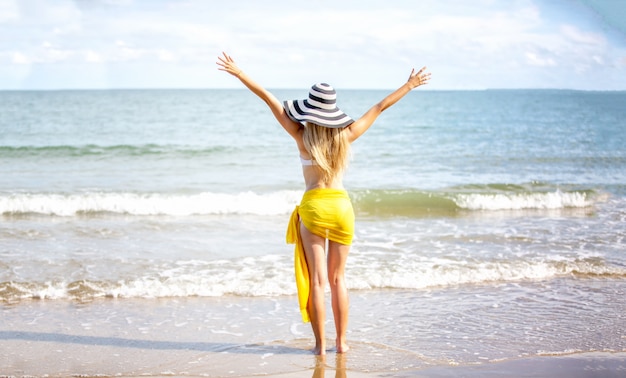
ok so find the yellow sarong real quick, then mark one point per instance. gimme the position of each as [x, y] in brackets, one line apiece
[327, 213]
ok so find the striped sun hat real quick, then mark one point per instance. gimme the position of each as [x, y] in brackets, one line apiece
[320, 108]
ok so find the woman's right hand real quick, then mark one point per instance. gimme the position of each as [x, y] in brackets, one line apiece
[226, 63]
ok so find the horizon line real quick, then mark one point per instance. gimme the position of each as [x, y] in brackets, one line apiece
[297, 88]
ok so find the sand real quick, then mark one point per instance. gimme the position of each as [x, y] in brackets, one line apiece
[231, 337]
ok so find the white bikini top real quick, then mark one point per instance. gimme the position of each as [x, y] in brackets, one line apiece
[306, 162]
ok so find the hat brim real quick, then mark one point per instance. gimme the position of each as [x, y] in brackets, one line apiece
[302, 111]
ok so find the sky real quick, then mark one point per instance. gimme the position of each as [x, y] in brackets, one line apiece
[478, 44]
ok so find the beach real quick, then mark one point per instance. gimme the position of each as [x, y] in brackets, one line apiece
[245, 337]
[142, 233]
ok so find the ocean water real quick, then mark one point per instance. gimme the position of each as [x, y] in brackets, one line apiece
[510, 198]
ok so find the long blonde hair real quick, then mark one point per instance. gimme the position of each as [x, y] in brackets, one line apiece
[330, 149]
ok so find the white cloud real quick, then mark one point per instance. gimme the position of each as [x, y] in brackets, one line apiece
[355, 43]
[19, 58]
[124, 54]
[43, 15]
[166, 56]
[9, 11]
[48, 53]
[576, 36]
[91, 56]
[535, 60]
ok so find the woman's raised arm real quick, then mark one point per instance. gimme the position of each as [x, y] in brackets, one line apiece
[361, 125]
[226, 63]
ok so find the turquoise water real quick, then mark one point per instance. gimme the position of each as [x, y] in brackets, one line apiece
[187, 193]
[217, 160]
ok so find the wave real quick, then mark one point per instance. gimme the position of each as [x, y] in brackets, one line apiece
[273, 276]
[209, 203]
[110, 151]
[491, 197]
[366, 202]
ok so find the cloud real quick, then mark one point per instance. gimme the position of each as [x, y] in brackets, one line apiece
[578, 37]
[535, 60]
[19, 58]
[9, 11]
[354, 43]
[92, 57]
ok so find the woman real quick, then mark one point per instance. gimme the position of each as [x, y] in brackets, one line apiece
[323, 134]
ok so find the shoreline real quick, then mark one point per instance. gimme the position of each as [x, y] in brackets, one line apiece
[264, 336]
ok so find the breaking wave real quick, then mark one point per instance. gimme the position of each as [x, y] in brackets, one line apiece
[379, 202]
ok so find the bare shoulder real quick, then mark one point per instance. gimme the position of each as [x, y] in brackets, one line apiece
[356, 129]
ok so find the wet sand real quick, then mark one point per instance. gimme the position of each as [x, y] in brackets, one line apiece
[241, 337]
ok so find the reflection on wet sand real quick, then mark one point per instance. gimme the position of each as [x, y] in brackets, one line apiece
[340, 366]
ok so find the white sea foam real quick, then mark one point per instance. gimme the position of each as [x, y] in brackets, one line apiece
[208, 203]
[248, 202]
[521, 201]
[273, 276]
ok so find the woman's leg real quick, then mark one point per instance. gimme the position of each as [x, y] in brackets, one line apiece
[315, 252]
[337, 256]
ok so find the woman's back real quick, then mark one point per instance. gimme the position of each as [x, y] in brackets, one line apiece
[313, 179]
[324, 153]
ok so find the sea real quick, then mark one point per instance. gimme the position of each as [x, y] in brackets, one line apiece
[490, 224]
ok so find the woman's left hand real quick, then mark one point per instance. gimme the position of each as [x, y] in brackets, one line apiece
[227, 64]
[420, 78]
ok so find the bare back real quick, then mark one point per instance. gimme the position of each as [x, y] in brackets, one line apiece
[311, 173]
[313, 179]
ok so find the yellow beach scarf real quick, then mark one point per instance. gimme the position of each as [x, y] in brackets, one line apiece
[327, 213]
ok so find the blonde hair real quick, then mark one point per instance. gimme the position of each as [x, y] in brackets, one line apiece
[330, 149]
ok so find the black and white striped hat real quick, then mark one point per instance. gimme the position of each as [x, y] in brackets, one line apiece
[320, 108]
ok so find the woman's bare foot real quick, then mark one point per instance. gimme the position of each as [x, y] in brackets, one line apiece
[319, 350]
[342, 347]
